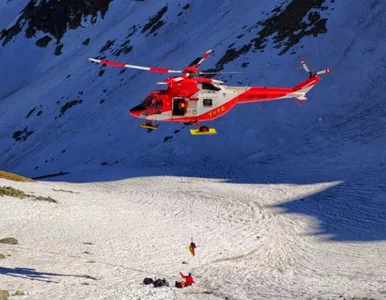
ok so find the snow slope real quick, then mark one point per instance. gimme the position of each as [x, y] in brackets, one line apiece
[101, 240]
[308, 180]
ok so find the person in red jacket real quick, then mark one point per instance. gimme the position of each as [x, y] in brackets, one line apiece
[189, 280]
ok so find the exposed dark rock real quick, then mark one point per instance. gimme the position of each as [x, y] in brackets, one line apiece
[276, 9]
[156, 26]
[133, 29]
[103, 100]
[108, 44]
[86, 41]
[43, 42]
[184, 8]
[286, 27]
[167, 138]
[68, 105]
[22, 135]
[58, 49]
[289, 26]
[16, 193]
[155, 21]
[7, 34]
[30, 113]
[9, 241]
[124, 48]
[54, 17]
[230, 55]
[30, 32]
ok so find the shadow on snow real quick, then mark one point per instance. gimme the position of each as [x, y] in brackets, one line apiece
[32, 274]
[353, 209]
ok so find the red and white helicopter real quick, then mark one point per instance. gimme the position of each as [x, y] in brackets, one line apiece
[191, 99]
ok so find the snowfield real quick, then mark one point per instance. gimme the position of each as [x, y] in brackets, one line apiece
[102, 239]
[285, 202]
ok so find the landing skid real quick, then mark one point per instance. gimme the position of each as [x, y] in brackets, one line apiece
[149, 126]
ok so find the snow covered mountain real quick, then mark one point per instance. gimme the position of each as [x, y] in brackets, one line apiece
[61, 114]
[67, 104]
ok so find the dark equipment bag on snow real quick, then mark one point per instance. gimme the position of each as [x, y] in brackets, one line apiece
[148, 281]
[161, 282]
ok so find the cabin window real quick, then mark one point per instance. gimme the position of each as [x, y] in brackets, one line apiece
[179, 107]
[207, 102]
[209, 86]
[158, 107]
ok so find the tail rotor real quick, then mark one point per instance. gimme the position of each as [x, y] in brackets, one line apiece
[327, 71]
[321, 72]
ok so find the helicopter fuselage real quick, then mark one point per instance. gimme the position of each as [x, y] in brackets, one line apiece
[190, 102]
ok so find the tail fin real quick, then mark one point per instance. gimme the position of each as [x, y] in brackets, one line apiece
[300, 91]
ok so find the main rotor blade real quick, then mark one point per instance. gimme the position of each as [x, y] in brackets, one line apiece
[223, 72]
[199, 60]
[240, 71]
[123, 65]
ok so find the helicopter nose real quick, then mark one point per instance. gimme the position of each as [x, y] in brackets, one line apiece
[136, 111]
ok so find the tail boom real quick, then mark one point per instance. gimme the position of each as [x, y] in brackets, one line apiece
[260, 94]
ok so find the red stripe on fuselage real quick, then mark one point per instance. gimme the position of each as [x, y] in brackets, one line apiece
[257, 94]
[218, 111]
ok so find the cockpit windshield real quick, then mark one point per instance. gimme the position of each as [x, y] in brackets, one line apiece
[148, 102]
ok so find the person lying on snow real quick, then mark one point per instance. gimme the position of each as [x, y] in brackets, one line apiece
[189, 280]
